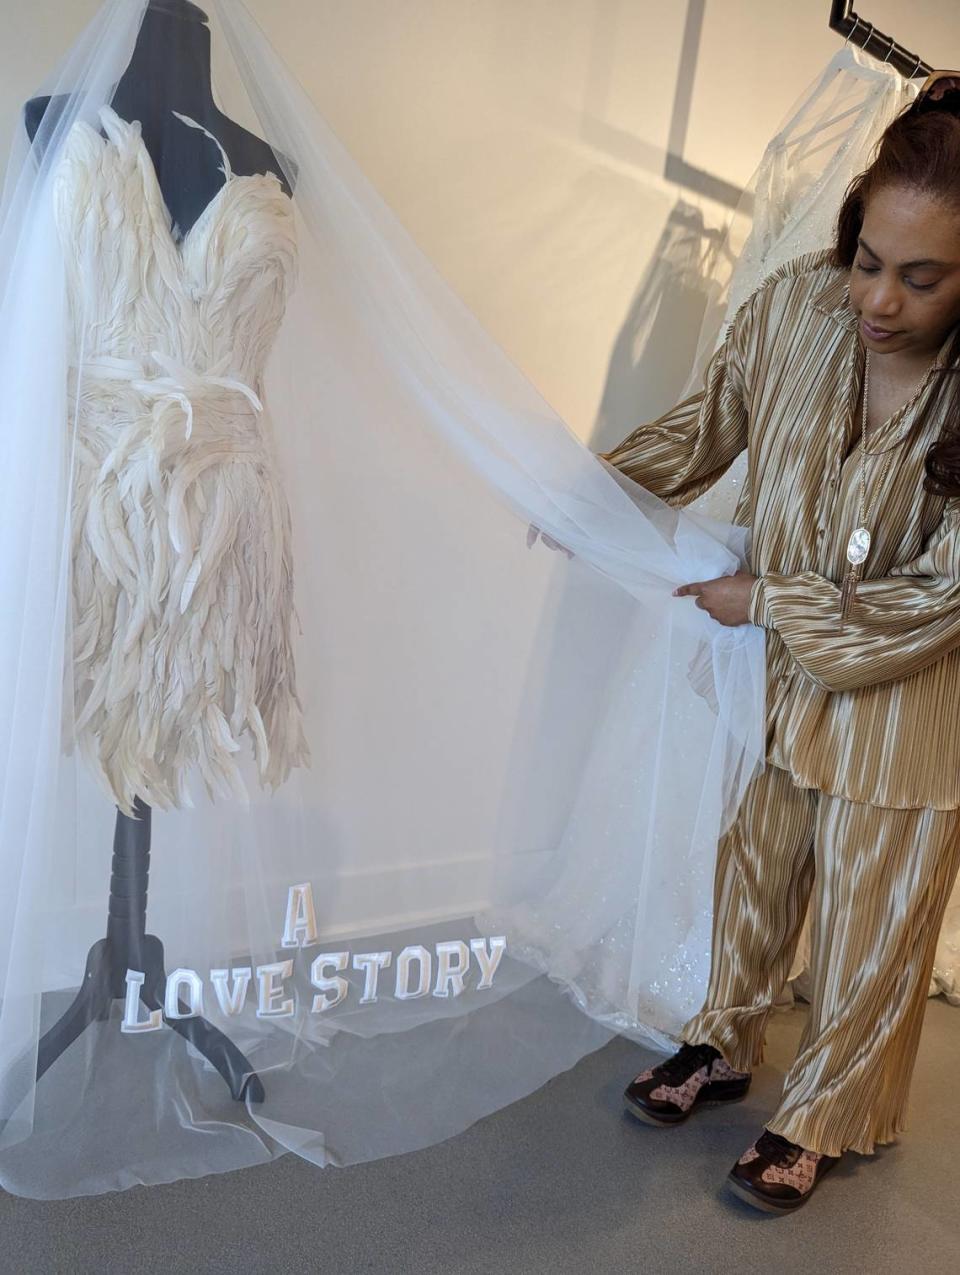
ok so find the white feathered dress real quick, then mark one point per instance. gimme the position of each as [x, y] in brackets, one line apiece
[182, 579]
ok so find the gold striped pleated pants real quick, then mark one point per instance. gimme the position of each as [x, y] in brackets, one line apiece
[881, 879]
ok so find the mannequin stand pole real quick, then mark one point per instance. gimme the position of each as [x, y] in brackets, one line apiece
[128, 946]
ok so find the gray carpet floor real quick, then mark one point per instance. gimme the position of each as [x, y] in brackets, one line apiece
[561, 1182]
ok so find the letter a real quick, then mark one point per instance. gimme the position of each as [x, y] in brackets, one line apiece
[300, 926]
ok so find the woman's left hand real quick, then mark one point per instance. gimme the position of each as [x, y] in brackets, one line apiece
[727, 598]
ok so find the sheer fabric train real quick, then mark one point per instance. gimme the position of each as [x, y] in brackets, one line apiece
[482, 855]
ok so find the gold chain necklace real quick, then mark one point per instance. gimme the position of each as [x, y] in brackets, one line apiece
[858, 546]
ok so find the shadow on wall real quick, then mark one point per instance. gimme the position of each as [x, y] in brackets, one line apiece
[656, 348]
[598, 130]
[654, 359]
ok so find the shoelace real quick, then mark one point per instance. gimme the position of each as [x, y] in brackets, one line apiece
[689, 1056]
[777, 1149]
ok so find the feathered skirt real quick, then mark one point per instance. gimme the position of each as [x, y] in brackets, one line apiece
[182, 588]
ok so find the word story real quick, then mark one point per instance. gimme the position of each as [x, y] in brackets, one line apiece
[418, 972]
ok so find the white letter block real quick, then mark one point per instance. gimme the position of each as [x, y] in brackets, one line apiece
[269, 1004]
[488, 962]
[402, 988]
[154, 1020]
[230, 998]
[339, 986]
[300, 925]
[449, 973]
[190, 980]
[373, 963]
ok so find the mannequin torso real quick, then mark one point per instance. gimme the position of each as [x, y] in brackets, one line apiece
[170, 71]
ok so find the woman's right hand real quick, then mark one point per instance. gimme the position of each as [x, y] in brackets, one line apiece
[534, 533]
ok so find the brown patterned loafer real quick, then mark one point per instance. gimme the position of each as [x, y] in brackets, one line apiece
[777, 1175]
[695, 1076]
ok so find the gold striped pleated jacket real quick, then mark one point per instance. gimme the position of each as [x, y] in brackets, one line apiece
[870, 712]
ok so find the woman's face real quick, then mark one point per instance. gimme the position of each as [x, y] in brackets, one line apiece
[905, 279]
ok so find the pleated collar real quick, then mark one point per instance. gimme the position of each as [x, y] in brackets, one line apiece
[834, 300]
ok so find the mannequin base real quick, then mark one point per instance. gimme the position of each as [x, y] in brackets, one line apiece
[98, 992]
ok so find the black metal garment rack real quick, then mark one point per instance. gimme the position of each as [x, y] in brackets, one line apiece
[879, 45]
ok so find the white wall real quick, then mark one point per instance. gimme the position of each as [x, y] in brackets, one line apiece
[524, 145]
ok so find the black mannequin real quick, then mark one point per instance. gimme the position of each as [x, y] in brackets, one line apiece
[170, 70]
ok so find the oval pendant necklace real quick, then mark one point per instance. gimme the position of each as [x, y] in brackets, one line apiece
[858, 546]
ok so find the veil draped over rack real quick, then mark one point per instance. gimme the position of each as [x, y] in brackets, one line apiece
[496, 848]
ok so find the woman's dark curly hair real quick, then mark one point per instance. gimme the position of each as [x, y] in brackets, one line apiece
[920, 151]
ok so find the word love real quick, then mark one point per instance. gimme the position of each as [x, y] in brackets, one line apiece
[417, 972]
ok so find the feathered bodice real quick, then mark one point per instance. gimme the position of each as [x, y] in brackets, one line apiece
[211, 299]
[182, 566]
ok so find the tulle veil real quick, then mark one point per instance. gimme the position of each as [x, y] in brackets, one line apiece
[501, 852]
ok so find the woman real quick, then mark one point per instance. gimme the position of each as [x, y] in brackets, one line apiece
[838, 376]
